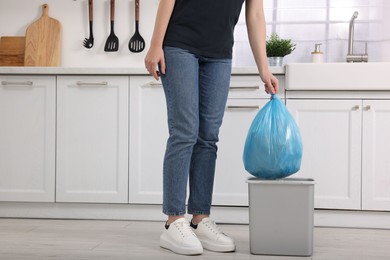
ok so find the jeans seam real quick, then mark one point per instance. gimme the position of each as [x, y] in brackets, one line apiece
[198, 212]
[170, 213]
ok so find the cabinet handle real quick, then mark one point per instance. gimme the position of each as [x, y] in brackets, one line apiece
[87, 83]
[17, 83]
[244, 88]
[367, 108]
[155, 84]
[356, 108]
[243, 107]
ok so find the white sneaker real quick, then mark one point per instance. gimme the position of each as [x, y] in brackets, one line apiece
[180, 239]
[212, 237]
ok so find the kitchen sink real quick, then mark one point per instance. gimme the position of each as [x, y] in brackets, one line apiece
[338, 76]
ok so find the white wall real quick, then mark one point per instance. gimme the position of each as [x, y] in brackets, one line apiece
[16, 15]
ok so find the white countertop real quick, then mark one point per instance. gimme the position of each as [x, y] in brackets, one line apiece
[110, 71]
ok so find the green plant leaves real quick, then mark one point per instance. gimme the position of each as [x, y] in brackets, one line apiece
[277, 47]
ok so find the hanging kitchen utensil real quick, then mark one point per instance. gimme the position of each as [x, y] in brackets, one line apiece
[137, 43]
[43, 41]
[88, 42]
[112, 42]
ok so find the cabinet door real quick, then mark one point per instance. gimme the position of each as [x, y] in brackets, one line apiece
[27, 138]
[230, 187]
[92, 139]
[376, 151]
[148, 137]
[331, 136]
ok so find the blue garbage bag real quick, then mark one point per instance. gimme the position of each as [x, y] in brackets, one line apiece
[273, 147]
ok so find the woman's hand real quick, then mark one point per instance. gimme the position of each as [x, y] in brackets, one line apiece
[271, 83]
[154, 57]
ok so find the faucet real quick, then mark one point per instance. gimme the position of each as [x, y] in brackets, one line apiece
[352, 57]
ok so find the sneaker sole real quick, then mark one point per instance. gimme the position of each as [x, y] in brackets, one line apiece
[216, 247]
[164, 243]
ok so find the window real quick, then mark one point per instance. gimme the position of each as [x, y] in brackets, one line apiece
[307, 22]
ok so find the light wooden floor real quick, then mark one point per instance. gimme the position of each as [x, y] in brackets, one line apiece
[93, 239]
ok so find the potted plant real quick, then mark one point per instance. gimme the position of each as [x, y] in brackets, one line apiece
[278, 48]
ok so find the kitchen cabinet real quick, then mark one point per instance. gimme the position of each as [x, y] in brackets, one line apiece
[375, 155]
[148, 137]
[92, 139]
[331, 137]
[345, 150]
[27, 138]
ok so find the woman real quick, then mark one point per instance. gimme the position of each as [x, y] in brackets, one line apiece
[192, 47]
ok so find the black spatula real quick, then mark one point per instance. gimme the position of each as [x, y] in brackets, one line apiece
[112, 42]
[137, 43]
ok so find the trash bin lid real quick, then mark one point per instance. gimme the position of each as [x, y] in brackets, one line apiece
[287, 181]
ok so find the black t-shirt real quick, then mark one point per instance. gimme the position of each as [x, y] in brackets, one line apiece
[204, 27]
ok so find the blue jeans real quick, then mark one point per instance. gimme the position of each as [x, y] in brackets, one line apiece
[196, 90]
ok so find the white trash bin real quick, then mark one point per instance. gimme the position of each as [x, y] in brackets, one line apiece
[281, 216]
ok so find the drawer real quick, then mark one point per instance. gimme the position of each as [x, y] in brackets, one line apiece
[251, 87]
[26, 82]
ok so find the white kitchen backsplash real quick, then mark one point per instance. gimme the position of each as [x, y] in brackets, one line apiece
[306, 22]
[16, 15]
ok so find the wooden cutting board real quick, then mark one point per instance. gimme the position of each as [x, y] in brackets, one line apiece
[43, 41]
[12, 50]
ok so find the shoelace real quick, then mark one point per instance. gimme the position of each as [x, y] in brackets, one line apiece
[213, 226]
[184, 229]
